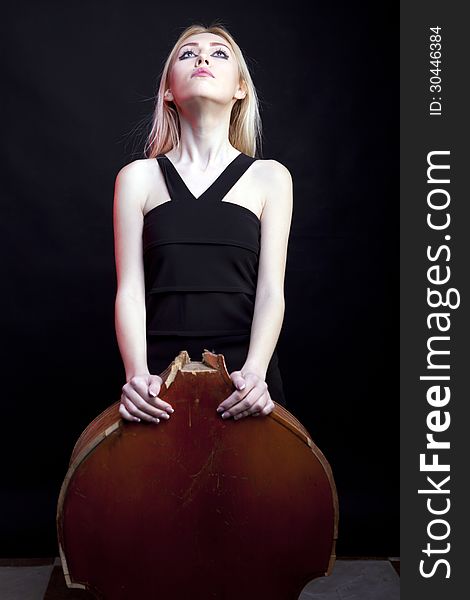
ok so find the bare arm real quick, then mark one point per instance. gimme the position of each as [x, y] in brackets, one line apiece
[269, 305]
[129, 199]
[139, 398]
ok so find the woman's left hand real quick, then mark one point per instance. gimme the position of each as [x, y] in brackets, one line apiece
[250, 398]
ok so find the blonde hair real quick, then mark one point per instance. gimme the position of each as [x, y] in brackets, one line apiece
[245, 132]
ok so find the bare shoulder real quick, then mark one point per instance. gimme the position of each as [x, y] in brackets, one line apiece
[277, 184]
[273, 172]
[136, 172]
[133, 181]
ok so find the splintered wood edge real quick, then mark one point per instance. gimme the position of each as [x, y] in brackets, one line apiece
[217, 361]
[177, 364]
[210, 362]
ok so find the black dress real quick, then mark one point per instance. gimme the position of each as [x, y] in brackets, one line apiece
[201, 268]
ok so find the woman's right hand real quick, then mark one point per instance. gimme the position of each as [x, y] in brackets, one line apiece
[139, 399]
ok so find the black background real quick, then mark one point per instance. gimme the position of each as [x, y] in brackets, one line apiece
[78, 85]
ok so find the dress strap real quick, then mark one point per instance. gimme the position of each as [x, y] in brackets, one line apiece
[173, 184]
[177, 188]
[221, 186]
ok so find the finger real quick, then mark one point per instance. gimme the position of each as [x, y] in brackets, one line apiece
[155, 385]
[233, 399]
[161, 404]
[241, 415]
[268, 408]
[254, 409]
[152, 391]
[259, 406]
[125, 414]
[132, 410]
[149, 414]
[138, 385]
[238, 380]
[246, 404]
[237, 395]
[263, 413]
[147, 405]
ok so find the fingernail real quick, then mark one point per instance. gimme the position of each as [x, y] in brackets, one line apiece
[240, 387]
[153, 394]
[220, 409]
[172, 410]
[155, 420]
[225, 415]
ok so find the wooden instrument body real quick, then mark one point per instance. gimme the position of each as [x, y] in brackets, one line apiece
[198, 506]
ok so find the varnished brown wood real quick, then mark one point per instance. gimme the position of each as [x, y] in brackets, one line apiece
[196, 506]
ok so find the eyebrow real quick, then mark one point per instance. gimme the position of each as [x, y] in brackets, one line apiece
[197, 44]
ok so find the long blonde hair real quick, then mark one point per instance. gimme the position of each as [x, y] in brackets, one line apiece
[245, 132]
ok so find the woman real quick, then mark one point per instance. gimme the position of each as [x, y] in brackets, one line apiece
[201, 234]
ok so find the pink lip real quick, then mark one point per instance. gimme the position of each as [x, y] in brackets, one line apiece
[203, 72]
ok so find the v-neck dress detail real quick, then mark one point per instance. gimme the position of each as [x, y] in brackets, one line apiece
[219, 182]
[201, 268]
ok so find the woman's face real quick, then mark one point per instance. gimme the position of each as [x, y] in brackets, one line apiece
[213, 53]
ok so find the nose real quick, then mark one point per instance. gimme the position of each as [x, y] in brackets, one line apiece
[202, 59]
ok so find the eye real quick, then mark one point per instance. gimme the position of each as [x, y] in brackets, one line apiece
[222, 51]
[219, 50]
[185, 52]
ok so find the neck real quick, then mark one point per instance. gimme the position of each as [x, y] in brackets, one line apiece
[204, 138]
